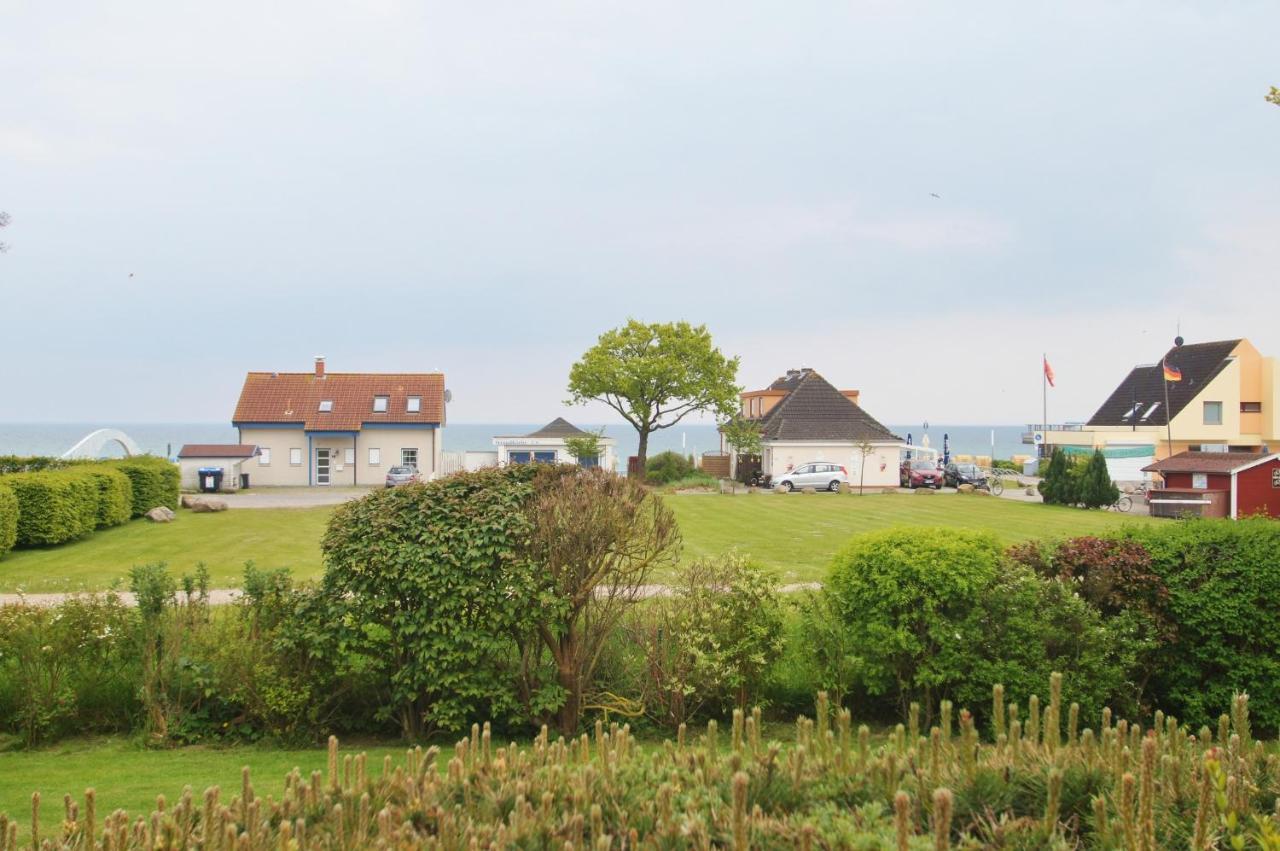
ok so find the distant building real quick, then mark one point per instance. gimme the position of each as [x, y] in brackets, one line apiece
[1226, 401]
[340, 428]
[803, 418]
[548, 445]
[229, 458]
[1218, 484]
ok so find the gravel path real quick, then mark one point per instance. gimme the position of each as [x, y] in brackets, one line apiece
[221, 597]
[291, 497]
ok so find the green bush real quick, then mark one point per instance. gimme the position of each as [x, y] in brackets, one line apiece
[54, 507]
[905, 598]
[667, 467]
[1223, 581]
[8, 519]
[1095, 488]
[708, 644]
[31, 464]
[433, 575]
[115, 495]
[155, 482]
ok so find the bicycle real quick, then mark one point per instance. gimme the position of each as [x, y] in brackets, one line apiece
[995, 485]
[1124, 503]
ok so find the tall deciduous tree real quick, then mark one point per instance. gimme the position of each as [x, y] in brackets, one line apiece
[656, 374]
[583, 446]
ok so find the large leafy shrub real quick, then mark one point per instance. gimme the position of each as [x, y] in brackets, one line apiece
[435, 577]
[8, 519]
[115, 494]
[155, 482]
[54, 506]
[904, 598]
[708, 644]
[667, 467]
[1223, 582]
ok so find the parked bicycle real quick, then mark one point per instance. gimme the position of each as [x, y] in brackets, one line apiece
[995, 485]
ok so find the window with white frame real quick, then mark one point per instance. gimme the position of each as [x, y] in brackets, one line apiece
[1213, 413]
[413, 404]
[1199, 481]
[348, 456]
[326, 405]
[409, 457]
[380, 404]
[264, 456]
[295, 457]
[375, 456]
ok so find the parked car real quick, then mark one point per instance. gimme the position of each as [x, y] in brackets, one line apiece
[921, 473]
[956, 475]
[815, 474]
[402, 475]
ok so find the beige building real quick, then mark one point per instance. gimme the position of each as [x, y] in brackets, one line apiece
[1223, 401]
[230, 460]
[321, 429]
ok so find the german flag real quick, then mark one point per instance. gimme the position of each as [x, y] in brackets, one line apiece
[1171, 372]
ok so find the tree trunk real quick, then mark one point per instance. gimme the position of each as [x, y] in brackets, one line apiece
[643, 452]
[567, 676]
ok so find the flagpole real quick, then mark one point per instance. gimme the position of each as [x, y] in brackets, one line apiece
[1168, 420]
[1044, 393]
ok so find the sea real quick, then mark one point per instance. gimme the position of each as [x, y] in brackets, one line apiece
[165, 439]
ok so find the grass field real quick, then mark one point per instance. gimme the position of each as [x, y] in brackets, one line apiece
[276, 537]
[126, 776]
[795, 534]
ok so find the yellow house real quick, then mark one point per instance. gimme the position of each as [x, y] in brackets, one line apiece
[340, 428]
[1225, 401]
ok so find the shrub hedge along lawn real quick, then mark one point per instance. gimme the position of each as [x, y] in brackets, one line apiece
[1044, 780]
[57, 502]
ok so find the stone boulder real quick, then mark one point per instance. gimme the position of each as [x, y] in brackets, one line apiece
[161, 514]
[924, 491]
[808, 489]
[890, 490]
[207, 504]
[966, 488]
[187, 499]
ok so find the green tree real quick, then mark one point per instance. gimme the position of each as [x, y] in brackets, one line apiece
[584, 446]
[1095, 486]
[1274, 97]
[742, 435]
[656, 374]
[1051, 483]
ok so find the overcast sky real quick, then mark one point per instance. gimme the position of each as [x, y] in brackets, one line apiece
[202, 189]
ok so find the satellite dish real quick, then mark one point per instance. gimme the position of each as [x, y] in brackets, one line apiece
[448, 396]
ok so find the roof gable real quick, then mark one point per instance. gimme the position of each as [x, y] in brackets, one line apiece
[559, 427]
[295, 397]
[1210, 462]
[816, 410]
[1144, 385]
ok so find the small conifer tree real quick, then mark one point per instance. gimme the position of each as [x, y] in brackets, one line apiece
[1096, 488]
[1054, 482]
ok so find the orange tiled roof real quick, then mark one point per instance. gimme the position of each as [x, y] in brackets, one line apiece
[295, 397]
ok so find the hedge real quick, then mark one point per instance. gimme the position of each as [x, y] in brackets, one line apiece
[115, 495]
[155, 482]
[8, 519]
[54, 507]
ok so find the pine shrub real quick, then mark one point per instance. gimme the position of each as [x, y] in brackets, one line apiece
[1095, 488]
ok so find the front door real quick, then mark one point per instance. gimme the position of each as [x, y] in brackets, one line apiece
[322, 466]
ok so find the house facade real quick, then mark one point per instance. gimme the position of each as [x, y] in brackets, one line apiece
[802, 417]
[340, 429]
[229, 458]
[548, 445]
[1226, 401]
[1243, 484]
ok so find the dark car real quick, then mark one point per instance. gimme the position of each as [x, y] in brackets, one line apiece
[956, 475]
[402, 475]
[921, 474]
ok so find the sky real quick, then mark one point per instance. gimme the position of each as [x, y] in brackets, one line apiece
[917, 199]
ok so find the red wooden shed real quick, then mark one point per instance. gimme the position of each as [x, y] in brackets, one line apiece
[1250, 480]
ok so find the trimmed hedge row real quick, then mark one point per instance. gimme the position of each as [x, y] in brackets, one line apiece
[58, 502]
[8, 519]
[155, 482]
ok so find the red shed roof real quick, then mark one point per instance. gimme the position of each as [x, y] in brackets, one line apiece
[1209, 462]
[296, 397]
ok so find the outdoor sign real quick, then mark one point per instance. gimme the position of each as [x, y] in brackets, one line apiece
[1275, 477]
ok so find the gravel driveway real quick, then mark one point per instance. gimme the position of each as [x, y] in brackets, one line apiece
[291, 497]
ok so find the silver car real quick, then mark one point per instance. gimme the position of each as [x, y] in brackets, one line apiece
[815, 474]
[402, 474]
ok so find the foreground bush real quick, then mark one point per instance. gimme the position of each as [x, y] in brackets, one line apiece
[667, 467]
[8, 519]
[1029, 786]
[54, 506]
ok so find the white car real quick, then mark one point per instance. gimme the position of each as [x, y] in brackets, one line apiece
[815, 474]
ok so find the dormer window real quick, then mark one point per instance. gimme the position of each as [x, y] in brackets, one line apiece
[1132, 411]
[380, 404]
[1150, 411]
[326, 405]
[413, 404]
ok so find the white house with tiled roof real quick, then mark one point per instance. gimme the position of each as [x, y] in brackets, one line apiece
[340, 428]
[548, 445]
[803, 418]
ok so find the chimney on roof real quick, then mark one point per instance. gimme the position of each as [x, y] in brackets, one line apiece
[319, 366]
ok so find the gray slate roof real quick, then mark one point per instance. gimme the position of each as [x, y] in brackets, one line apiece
[559, 427]
[816, 410]
[1200, 363]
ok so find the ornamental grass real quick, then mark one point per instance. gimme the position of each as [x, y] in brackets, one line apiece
[1121, 786]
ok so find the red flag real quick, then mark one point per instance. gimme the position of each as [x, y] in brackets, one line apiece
[1171, 372]
[1048, 373]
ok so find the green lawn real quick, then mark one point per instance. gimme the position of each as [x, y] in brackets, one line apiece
[795, 534]
[275, 537]
[129, 777]
[798, 533]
